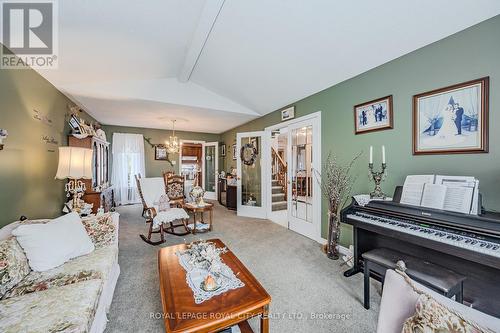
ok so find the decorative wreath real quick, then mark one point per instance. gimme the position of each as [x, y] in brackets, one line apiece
[248, 154]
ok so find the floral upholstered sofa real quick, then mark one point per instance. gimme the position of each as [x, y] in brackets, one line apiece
[73, 297]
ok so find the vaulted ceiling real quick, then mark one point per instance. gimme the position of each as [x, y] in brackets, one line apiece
[215, 64]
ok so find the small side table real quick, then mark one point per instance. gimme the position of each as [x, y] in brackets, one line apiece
[193, 208]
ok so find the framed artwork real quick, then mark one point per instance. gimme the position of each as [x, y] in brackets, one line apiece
[74, 123]
[288, 113]
[373, 116]
[452, 120]
[234, 151]
[161, 153]
[223, 150]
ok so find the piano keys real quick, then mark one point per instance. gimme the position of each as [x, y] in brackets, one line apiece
[467, 244]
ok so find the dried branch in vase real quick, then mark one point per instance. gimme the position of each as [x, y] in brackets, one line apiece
[336, 185]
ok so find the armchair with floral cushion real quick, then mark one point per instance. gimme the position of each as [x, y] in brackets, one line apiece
[159, 211]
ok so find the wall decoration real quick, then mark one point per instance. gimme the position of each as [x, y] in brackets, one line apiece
[248, 154]
[223, 150]
[50, 140]
[3, 135]
[452, 120]
[39, 116]
[234, 151]
[374, 115]
[161, 152]
[288, 113]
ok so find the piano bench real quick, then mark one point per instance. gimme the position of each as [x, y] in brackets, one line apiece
[437, 278]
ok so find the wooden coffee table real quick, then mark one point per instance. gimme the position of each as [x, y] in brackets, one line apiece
[194, 209]
[182, 314]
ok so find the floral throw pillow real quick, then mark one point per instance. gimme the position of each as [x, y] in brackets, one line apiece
[175, 190]
[100, 229]
[433, 317]
[13, 265]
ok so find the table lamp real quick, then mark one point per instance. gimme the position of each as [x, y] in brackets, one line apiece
[75, 163]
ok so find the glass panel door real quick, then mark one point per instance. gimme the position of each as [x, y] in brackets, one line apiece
[251, 199]
[303, 187]
[210, 169]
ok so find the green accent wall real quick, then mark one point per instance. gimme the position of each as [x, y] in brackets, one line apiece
[155, 168]
[27, 164]
[467, 55]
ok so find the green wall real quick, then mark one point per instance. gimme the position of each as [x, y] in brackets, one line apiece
[27, 164]
[155, 168]
[467, 55]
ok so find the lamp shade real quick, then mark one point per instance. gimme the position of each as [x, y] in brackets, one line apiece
[74, 163]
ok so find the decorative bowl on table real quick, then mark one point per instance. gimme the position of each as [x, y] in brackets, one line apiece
[209, 284]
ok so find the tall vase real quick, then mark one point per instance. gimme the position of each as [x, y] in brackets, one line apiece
[333, 235]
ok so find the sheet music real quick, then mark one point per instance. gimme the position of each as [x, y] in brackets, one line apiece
[462, 195]
[452, 193]
[414, 187]
[458, 199]
[434, 196]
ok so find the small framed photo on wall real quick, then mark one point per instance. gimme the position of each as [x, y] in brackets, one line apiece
[234, 151]
[374, 115]
[161, 153]
[223, 150]
[288, 113]
[452, 120]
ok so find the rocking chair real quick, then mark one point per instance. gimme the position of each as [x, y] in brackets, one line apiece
[150, 191]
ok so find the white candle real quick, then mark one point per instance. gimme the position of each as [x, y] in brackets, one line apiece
[383, 154]
[371, 154]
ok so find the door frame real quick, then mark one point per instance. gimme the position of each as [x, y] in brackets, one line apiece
[182, 141]
[211, 195]
[317, 147]
[249, 211]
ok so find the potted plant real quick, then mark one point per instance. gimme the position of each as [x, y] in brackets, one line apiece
[336, 186]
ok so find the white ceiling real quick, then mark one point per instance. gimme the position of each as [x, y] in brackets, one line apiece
[216, 64]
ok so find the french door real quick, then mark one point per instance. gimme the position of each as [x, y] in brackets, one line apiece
[304, 167]
[251, 199]
[210, 169]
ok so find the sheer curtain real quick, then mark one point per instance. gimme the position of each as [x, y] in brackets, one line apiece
[128, 161]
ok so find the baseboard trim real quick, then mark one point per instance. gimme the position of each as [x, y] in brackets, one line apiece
[342, 249]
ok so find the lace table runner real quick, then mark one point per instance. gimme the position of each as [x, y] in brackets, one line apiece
[195, 276]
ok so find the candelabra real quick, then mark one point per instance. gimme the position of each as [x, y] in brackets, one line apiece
[378, 177]
[76, 188]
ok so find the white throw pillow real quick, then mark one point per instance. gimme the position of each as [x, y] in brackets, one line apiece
[52, 244]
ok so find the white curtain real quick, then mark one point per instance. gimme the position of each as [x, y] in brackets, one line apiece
[128, 161]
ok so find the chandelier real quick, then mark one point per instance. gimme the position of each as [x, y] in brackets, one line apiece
[173, 144]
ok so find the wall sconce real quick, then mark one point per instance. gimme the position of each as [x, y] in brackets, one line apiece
[3, 135]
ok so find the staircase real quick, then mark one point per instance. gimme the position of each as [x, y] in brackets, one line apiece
[279, 182]
[278, 196]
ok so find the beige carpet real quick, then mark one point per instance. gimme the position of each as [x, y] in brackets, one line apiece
[309, 292]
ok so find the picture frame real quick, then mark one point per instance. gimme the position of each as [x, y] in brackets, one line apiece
[161, 153]
[223, 150]
[74, 123]
[288, 113]
[375, 115]
[234, 152]
[452, 120]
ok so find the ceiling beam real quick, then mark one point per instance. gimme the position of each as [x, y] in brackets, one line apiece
[208, 17]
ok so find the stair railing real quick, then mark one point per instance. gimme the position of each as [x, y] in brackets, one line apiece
[279, 171]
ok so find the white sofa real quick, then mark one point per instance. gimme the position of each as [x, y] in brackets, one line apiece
[399, 301]
[74, 297]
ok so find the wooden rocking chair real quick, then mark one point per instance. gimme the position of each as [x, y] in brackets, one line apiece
[174, 185]
[150, 211]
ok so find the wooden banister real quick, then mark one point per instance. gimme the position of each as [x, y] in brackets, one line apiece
[280, 170]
